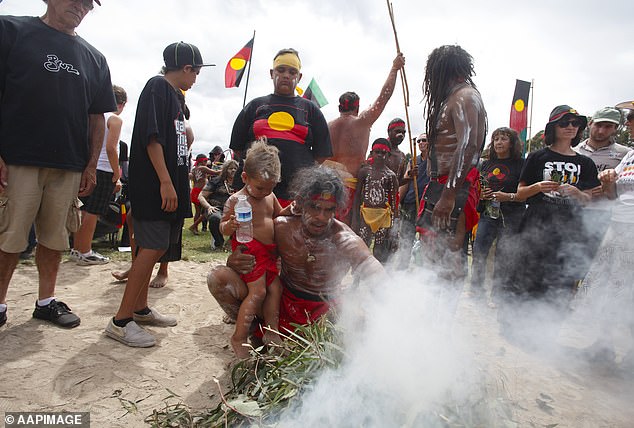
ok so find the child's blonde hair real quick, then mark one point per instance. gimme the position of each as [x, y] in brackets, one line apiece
[263, 161]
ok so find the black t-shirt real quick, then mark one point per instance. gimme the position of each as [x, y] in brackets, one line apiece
[294, 125]
[577, 170]
[123, 151]
[159, 114]
[50, 81]
[219, 192]
[503, 175]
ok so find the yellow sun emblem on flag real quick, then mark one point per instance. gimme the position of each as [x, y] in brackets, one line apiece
[519, 105]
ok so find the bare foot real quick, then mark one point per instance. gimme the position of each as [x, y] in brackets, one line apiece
[159, 281]
[271, 337]
[228, 320]
[193, 230]
[240, 348]
[121, 275]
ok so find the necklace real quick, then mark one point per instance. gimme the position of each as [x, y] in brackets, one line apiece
[229, 190]
[310, 247]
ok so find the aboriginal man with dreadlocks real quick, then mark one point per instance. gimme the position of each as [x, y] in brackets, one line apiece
[456, 130]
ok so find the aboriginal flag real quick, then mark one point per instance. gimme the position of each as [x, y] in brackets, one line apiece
[314, 94]
[519, 112]
[237, 64]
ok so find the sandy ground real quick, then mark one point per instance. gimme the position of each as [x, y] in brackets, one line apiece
[45, 368]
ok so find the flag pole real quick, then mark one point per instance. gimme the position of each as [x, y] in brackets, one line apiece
[412, 146]
[246, 87]
[530, 117]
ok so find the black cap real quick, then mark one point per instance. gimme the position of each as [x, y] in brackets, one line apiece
[180, 54]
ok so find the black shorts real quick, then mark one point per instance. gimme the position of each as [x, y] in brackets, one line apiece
[158, 235]
[97, 202]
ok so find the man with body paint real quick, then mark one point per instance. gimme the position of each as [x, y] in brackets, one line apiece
[456, 130]
[397, 161]
[317, 251]
[350, 133]
[293, 124]
[375, 211]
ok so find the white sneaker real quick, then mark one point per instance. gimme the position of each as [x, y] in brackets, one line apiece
[130, 335]
[155, 318]
[74, 254]
[92, 258]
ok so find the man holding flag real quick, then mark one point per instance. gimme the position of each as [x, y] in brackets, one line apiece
[350, 132]
[293, 124]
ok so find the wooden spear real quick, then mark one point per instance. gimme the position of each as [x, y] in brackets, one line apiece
[412, 146]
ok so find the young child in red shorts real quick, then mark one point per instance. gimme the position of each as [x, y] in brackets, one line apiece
[262, 170]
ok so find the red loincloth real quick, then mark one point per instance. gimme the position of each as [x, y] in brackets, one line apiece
[470, 208]
[265, 260]
[193, 196]
[296, 310]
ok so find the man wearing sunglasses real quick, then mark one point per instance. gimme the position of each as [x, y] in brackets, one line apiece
[408, 201]
[54, 91]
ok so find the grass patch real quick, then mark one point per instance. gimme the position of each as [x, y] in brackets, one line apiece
[196, 248]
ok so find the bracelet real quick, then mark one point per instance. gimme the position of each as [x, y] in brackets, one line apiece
[513, 195]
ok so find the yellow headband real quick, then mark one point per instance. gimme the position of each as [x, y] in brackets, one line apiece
[288, 59]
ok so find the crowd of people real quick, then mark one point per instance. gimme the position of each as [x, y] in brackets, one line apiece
[320, 208]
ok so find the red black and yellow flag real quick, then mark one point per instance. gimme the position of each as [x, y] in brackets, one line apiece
[519, 111]
[237, 64]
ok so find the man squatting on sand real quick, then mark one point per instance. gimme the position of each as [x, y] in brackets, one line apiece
[316, 250]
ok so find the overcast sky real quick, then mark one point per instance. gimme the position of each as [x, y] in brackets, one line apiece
[578, 53]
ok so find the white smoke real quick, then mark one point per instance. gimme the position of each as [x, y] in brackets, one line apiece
[406, 360]
[412, 359]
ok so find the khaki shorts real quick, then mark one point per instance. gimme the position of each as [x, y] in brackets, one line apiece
[44, 196]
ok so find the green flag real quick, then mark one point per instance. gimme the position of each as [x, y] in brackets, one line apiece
[313, 93]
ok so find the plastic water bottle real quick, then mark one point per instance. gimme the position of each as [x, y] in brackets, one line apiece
[244, 216]
[494, 209]
[416, 257]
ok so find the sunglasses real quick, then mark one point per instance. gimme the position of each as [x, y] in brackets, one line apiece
[422, 140]
[574, 122]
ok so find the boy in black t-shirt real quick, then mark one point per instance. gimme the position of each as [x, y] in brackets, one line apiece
[158, 187]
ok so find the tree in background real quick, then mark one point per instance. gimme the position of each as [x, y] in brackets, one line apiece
[536, 142]
[623, 137]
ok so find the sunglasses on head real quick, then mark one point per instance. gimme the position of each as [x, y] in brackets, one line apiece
[574, 122]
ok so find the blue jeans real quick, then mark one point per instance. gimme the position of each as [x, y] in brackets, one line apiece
[489, 230]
